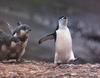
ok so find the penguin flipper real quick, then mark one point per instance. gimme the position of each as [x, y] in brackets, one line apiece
[48, 37]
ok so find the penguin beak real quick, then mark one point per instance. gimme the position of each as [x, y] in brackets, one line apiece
[28, 30]
[64, 17]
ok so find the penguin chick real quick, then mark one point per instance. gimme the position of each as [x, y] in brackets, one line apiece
[6, 42]
[63, 42]
[21, 32]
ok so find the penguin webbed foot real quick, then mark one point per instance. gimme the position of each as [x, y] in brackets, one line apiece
[58, 64]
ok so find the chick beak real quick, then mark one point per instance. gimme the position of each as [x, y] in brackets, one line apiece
[28, 30]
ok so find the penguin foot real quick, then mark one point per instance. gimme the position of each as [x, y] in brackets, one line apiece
[58, 64]
[73, 61]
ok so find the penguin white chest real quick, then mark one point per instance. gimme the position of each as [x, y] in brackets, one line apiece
[63, 40]
[63, 46]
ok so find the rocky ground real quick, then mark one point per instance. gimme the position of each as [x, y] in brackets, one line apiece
[33, 69]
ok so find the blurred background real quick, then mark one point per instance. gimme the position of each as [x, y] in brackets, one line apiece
[42, 16]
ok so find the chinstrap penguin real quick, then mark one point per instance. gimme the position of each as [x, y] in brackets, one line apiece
[63, 42]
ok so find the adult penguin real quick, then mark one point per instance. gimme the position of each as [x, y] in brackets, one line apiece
[63, 42]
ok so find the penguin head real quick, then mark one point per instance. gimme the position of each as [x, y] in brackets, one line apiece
[21, 30]
[63, 21]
